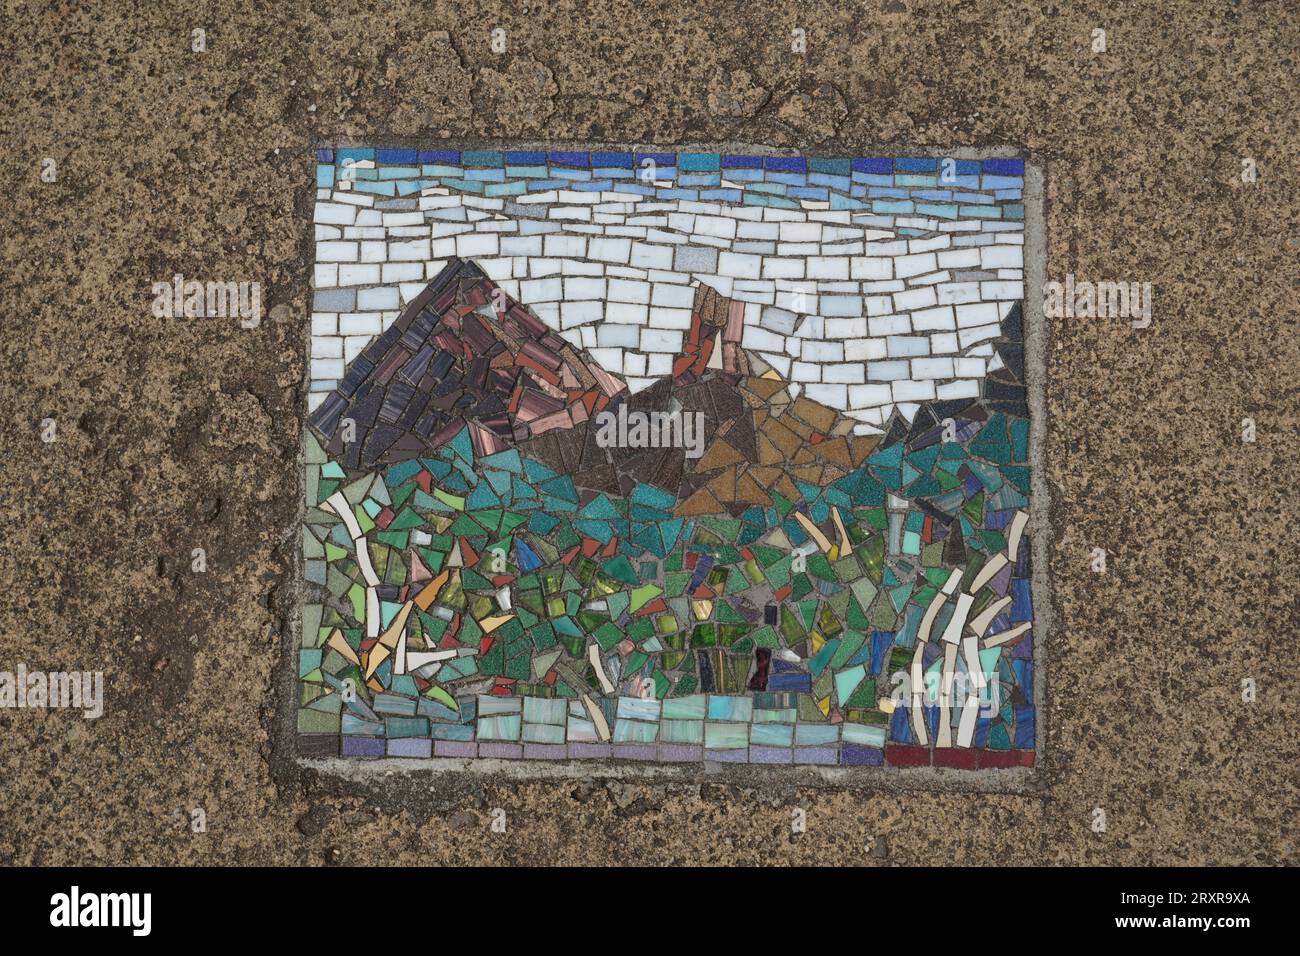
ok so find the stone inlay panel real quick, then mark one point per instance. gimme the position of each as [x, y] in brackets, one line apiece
[669, 457]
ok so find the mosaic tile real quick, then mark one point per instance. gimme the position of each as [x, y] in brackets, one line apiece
[670, 457]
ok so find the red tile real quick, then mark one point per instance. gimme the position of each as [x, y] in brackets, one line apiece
[1006, 758]
[962, 758]
[902, 755]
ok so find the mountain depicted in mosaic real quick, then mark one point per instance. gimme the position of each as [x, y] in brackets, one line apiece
[513, 550]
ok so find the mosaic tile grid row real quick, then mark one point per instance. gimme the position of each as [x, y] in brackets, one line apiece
[491, 581]
[871, 283]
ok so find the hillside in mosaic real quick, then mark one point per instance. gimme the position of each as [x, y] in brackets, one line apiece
[490, 575]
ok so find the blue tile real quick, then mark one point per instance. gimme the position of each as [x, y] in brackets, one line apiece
[916, 164]
[699, 162]
[1024, 728]
[834, 167]
[569, 159]
[700, 179]
[877, 166]
[861, 756]
[1005, 167]
[787, 164]
[481, 157]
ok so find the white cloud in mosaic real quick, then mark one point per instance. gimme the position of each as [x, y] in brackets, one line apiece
[860, 316]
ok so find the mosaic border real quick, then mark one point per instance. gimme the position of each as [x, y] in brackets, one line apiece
[1006, 778]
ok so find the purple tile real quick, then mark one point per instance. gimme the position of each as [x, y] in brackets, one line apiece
[818, 755]
[861, 756]
[546, 752]
[770, 754]
[681, 753]
[363, 747]
[501, 751]
[410, 747]
[636, 751]
[727, 756]
[589, 751]
[455, 748]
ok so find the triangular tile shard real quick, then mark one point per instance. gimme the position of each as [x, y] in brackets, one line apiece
[461, 352]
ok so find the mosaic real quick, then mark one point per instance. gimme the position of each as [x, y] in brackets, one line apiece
[671, 457]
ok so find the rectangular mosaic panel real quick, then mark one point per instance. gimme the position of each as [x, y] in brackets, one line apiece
[671, 457]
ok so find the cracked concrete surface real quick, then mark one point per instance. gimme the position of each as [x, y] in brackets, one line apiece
[174, 434]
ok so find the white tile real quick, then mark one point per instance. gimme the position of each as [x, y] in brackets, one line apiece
[779, 268]
[477, 245]
[327, 368]
[889, 324]
[326, 346]
[958, 292]
[409, 250]
[913, 265]
[844, 374]
[395, 272]
[739, 265]
[959, 259]
[825, 267]
[913, 299]
[862, 350]
[629, 290]
[887, 371]
[910, 391]
[823, 351]
[1002, 290]
[665, 318]
[576, 313]
[578, 288]
[378, 299]
[941, 343]
[979, 333]
[907, 346]
[931, 368]
[542, 290]
[836, 396]
[611, 250]
[360, 323]
[1001, 257]
[647, 256]
[978, 313]
[871, 268]
[673, 296]
[358, 274]
[661, 340]
[573, 247]
[340, 214]
[626, 312]
[866, 396]
[938, 319]
[806, 372]
[336, 251]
